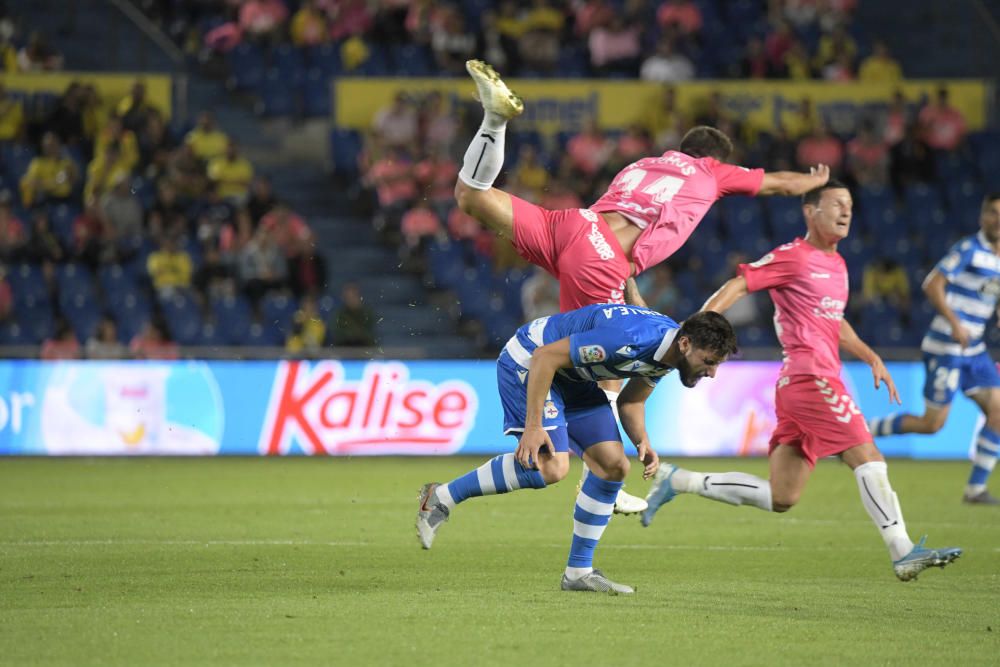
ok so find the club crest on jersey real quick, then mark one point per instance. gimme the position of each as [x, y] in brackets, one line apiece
[551, 411]
[592, 354]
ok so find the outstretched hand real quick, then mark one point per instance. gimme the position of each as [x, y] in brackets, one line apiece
[881, 374]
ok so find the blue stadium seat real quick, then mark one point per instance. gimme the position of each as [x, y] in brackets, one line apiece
[15, 158]
[210, 336]
[61, 219]
[345, 145]
[75, 279]
[326, 57]
[412, 60]
[232, 317]
[259, 335]
[246, 66]
[82, 315]
[183, 318]
[743, 217]
[785, 214]
[115, 279]
[277, 96]
[26, 280]
[131, 311]
[316, 93]
[277, 309]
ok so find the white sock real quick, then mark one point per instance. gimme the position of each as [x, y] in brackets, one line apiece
[882, 506]
[484, 157]
[573, 573]
[735, 488]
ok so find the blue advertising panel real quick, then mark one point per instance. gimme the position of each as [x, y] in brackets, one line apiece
[358, 408]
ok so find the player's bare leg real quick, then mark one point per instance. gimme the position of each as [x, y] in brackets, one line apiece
[483, 160]
[882, 505]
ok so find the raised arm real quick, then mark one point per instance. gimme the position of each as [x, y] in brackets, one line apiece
[732, 291]
[632, 414]
[933, 287]
[793, 183]
[850, 341]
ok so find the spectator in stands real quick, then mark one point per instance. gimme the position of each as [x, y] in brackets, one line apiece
[114, 132]
[667, 65]
[8, 54]
[658, 289]
[777, 44]
[589, 14]
[589, 150]
[93, 112]
[287, 228]
[664, 120]
[261, 200]
[539, 295]
[11, 116]
[867, 158]
[942, 126]
[124, 214]
[104, 344]
[353, 323]
[12, 232]
[51, 176]
[435, 176]
[134, 108]
[910, 160]
[821, 147]
[214, 215]
[510, 27]
[37, 56]
[437, 125]
[90, 245]
[62, 344]
[397, 125]
[66, 120]
[170, 268]
[884, 281]
[306, 268]
[213, 278]
[615, 49]
[419, 223]
[154, 342]
[539, 44]
[231, 173]
[452, 43]
[308, 329]
[802, 121]
[394, 184]
[841, 68]
[350, 18]
[205, 139]
[261, 266]
[683, 16]
[530, 176]
[834, 45]
[755, 63]
[187, 173]
[796, 64]
[880, 66]
[309, 25]
[166, 209]
[261, 20]
[156, 144]
[897, 118]
[43, 246]
[6, 295]
[107, 168]
[634, 144]
[780, 154]
[494, 47]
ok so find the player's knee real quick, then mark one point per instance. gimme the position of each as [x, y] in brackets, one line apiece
[466, 198]
[930, 425]
[617, 470]
[554, 470]
[783, 502]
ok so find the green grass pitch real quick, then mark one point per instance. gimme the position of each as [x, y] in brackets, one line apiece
[308, 561]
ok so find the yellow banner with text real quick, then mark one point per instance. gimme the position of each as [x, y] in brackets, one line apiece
[563, 105]
[110, 87]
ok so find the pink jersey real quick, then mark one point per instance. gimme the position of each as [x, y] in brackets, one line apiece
[809, 289]
[667, 197]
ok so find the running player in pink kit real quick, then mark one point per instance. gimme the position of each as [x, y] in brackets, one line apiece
[807, 280]
[648, 212]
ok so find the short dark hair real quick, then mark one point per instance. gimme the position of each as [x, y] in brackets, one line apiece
[709, 330]
[990, 198]
[705, 141]
[812, 197]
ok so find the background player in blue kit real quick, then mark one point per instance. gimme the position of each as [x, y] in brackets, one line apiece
[547, 376]
[964, 288]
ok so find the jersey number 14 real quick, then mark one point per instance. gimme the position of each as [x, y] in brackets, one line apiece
[662, 189]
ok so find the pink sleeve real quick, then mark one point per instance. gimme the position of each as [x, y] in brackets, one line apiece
[733, 180]
[772, 270]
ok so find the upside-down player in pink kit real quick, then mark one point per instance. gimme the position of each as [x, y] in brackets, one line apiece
[807, 280]
[650, 209]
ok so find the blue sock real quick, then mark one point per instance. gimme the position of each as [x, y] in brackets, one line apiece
[987, 447]
[498, 475]
[594, 505]
[890, 425]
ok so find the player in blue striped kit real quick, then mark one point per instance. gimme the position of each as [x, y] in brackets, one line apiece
[964, 288]
[547, 376]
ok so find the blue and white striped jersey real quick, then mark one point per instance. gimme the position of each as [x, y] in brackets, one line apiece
[606, 341]
[973, 273]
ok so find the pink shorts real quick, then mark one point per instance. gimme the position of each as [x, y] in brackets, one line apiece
[577, 247]
[817, 415]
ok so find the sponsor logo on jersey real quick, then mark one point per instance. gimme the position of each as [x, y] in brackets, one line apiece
[600, 243]
[819, 275]
[830, 308]
[626, 351]
[592, 354]
[763, 261]
[522, 376]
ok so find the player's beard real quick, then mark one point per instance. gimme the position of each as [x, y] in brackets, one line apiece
[688, 376]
